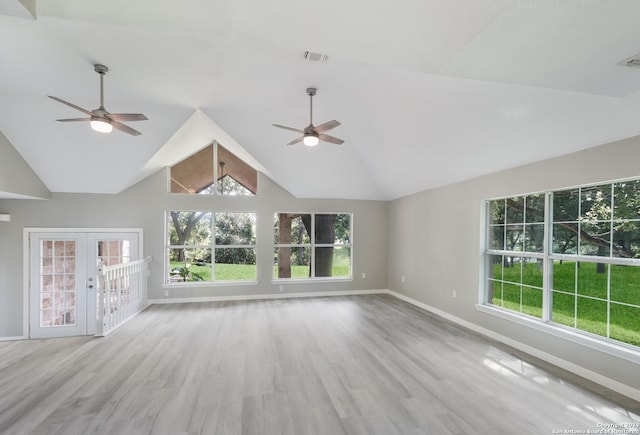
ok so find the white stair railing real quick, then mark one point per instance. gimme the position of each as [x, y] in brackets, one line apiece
[121, 294]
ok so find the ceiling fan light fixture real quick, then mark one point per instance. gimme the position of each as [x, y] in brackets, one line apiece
[310, 140]
[312, 135]
[101, 120]
[101, 126]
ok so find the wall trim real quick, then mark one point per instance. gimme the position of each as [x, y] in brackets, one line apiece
[266, 296]
[16, 338]
[605, 381]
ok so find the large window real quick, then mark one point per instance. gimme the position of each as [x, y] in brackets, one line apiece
[516, 235]
[312, 245]
[573, 262]
[213, 170]
[206, 246]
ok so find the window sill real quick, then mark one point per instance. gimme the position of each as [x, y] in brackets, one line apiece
[627, 352]
[209, 284]
[309, 280]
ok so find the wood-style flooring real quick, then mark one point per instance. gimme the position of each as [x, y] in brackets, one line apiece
[333, 365]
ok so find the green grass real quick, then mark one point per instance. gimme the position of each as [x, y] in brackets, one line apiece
[223, 272]
[337, 271]
[239, 272]
[235, 272]
[341, 267]
[589, 314]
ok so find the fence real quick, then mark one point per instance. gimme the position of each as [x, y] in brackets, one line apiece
[122, 293]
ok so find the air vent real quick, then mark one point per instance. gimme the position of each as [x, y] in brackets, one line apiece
[315, 57]
[633, 62]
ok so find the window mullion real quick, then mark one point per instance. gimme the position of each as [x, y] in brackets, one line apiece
[312, 255]
[214, 144]
[547, 263]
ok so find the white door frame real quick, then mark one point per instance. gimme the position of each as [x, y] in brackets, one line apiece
[26, 236]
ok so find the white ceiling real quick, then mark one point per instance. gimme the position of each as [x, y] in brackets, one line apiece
[429, 92]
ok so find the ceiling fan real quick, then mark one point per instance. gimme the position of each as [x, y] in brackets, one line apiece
[312, 135]
[101, 120]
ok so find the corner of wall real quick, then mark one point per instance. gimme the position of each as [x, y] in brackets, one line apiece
[17, 179]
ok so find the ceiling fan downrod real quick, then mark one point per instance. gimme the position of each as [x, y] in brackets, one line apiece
[101, 70]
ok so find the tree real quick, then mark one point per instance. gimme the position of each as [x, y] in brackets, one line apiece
[235, 229]
[608, 220]
[294, 229]
[325, 233]
[284, 253]
[291, 231]
[183, 226]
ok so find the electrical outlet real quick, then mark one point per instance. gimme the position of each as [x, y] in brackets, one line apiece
[402, 278]
[281, 288]
[453, 294]
[364, 275]
[166, 293]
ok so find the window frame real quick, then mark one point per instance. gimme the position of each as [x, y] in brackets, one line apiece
[312, 245]
[546, 322]
[217, 173]
[212, 246]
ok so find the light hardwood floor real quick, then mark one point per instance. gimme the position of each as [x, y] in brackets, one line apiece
[335, 365]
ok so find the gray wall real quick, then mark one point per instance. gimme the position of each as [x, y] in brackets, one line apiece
[16, 176]
[144, 205]
[435, 242]
[433, 238]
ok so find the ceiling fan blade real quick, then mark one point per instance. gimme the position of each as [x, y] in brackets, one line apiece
[295, 141]
[288, 128]
[327, 126]
[71, 105]
[327, 138]
[73, 119]
[125, 128]
[123, 117]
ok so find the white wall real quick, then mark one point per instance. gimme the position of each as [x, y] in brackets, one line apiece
[144, 205]
[435, 242]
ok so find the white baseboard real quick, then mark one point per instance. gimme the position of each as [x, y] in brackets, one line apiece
[16, 338]
[612, 384]
[266, 296]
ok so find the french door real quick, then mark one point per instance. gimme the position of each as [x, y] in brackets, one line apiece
[62, 278]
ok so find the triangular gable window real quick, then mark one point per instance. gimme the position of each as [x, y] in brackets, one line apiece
[214, 170]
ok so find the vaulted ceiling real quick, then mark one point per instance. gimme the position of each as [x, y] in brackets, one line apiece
[429, 92]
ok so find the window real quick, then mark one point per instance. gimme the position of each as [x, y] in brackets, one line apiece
[516, 230]
[206, 246]
[303, 253]
[581, 251]
[204, 174]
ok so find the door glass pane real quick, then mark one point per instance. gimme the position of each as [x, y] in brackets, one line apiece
[57, 283]
[114, 251]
